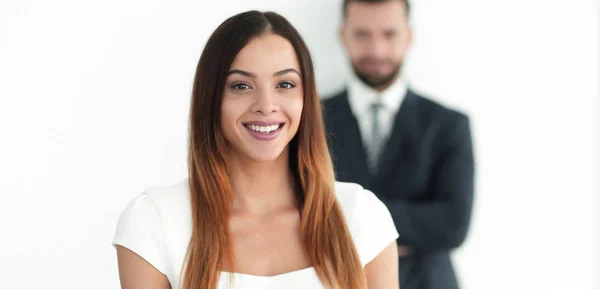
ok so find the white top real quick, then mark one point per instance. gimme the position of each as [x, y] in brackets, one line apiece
[361, 97]
[157, 226]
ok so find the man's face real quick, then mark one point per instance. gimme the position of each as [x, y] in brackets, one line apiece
[376, 36]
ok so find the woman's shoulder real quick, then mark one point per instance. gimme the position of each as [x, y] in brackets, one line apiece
[155, 220]
[167, 203]
[368, 219]
[159, 199]
[354, 198]
[166, 195]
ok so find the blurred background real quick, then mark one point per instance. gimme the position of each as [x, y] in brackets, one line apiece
[94, 97]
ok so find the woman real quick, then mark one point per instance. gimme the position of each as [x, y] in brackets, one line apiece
[261, 208]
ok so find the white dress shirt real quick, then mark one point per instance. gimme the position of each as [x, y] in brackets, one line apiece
[361, 97]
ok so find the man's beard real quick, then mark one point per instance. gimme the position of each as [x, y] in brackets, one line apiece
[376, 81]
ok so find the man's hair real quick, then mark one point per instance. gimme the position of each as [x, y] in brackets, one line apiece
[346, 2]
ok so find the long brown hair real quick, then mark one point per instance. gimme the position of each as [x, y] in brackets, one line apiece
[324, 231]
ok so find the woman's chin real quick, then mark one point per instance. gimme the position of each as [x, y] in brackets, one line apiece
[259, 154]
[264, 157]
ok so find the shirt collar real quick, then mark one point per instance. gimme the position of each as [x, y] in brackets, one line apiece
[361, 96]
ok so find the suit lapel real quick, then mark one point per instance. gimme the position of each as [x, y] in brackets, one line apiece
[401, 136]
[351, 158]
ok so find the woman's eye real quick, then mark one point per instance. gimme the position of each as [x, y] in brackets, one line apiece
[240, 86]
[286, 85]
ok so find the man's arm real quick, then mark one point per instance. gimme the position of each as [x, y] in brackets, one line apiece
[441, 223]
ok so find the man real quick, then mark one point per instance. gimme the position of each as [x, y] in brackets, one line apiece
[415, 154]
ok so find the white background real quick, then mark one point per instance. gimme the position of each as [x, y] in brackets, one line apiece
[94, 98]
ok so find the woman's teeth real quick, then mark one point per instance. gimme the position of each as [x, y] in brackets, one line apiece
[263, 129]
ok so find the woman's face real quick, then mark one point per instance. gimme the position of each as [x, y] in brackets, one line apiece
[263, 99]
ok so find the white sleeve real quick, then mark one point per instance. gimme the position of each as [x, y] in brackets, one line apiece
[377, 227]
[139, 230]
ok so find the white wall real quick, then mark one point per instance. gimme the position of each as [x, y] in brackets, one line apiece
[93, 109]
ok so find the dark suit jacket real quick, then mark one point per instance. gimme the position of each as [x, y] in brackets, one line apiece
[425, 178]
